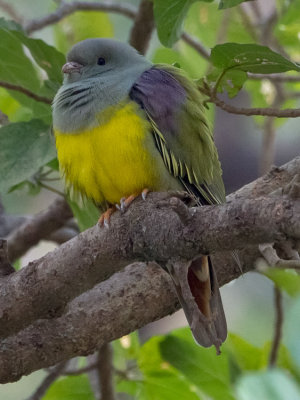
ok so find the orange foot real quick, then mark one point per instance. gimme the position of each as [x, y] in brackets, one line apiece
[104, 219]
[125, 202]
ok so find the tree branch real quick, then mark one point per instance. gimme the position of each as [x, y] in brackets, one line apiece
[106, 372]
[277, 327]
[28, 93]
[47, 382]
[5, 267]
[66, 9]
[11, 11]
[37, 228]
[91, 320]
[275, 77]
[196, 45]
[127, 301]
[267, 112]
[143, 27]
[43, 288]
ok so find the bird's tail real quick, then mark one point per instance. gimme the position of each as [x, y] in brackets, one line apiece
[198, 292]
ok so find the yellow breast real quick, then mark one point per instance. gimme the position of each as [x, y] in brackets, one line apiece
[112, 160]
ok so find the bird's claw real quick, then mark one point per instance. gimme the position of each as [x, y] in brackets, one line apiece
[104, 219]
[145, 193]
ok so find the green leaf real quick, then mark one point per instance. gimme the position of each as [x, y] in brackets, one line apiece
[126, 350]
[24, 148]
[202, 367]
[231, 82]
[71, 388]
[291, 331]
[160, 379]
[169, 16]
[273, 384]
[166, 385]
[47, 57]
[10, 25]
[16, 67]
[32, 188]
[53, 164]
[286, 279]
[230, 3]
[250, 58]
[85, 212]
[247, 356]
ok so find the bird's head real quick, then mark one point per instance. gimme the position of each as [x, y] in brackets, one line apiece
[93, 58]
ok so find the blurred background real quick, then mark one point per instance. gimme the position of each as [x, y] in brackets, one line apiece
[241, 140]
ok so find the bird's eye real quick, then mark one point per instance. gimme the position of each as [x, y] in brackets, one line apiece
[101, 61]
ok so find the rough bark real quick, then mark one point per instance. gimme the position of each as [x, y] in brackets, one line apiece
[41, 226]
[151, 230]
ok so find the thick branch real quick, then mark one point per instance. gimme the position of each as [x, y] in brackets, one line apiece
[39, 227]
[111, 309]
[43, 288]
[127, 301]
[66, 9]
[143, 26]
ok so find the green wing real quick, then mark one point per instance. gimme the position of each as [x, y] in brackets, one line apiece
[182, 135]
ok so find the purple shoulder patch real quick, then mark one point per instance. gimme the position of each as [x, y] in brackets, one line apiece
[161, 95]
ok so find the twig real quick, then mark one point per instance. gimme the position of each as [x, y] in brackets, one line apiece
[198, 46]
[275, 77]
[106, 372]
[143, 26]
[66, 9]
[10, 10]
[278, 327]
[256, 10]
[223, 28]
[270, 255]
[269, 112]
[47, 382]
[37, 228]
[83, 370]
[51, 189]
[5, 267]
[28, 93]
[247, 22]
[269, 132]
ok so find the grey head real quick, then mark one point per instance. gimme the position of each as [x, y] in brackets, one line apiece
[99, 73]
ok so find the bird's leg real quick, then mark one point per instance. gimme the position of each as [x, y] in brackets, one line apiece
[104, 219]
[126, 201]
[145, 193]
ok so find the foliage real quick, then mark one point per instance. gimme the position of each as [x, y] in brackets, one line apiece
[172, 366]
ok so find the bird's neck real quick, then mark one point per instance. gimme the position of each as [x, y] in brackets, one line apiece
[90, 102]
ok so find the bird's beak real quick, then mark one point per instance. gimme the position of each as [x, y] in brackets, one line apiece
[71, 66]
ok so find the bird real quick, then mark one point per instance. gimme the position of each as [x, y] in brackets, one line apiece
[124, 126]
